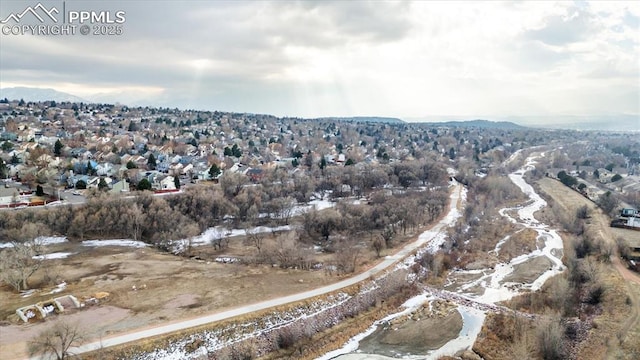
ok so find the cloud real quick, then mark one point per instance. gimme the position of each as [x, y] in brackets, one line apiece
[345, 57]
[574, 26]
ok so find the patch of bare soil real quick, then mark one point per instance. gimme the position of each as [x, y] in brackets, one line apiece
[150, 287]
[529, 270]
[153, 287]
[457, 279]
[521, 242]
[93, 322]
[417, 333]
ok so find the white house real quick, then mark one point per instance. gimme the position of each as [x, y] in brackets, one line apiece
[164, 183]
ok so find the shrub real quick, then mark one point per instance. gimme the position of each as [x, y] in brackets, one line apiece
[551, 341]
[596, 294]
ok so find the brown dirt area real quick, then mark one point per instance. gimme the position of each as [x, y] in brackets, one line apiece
[152, 287]
[528, 271]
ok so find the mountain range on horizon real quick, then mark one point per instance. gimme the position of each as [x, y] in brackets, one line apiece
[621, 122]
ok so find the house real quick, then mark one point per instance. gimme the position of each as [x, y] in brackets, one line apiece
[176, 169]
[176, 159]
[164, 183]
[73, 179]
[105, 169]
[628, 212]
[255, 174]
[187, 169]
[236, 167]
[94, 181]
[119, 187]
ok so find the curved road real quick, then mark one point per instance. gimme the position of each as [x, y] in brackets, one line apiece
[185, 324]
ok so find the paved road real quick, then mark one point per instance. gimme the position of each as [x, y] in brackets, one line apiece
[185, 324]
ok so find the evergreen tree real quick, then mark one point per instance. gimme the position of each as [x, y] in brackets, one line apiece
[80, 184]
[39, 191]
[214, 171]
[102, 184]
[323, 163]
[236, 152]
[152, 162]
[144, 184]
[176, 182]
[3, 169]
[57, 148]
[90, 169]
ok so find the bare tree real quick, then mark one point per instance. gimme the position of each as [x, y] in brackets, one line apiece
[219, 240]
[285, 208]
[387, 235]
[254, 238]
[137, 218]
[347, 257]
[21, 260]
[232, 183]
[377, 246]
[55, 342]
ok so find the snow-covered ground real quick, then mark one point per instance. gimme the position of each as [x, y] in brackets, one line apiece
[472, 324]
[115, 242]
[492, 280]
[56, 255]
[41, 240]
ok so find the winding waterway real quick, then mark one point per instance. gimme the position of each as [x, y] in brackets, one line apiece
[491, 281]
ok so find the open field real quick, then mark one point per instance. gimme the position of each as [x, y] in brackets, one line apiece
[166, 287]
[148, 287]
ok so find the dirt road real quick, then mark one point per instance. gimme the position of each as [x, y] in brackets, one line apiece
[185, 324]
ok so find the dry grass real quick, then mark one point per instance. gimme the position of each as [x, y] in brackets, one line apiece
[501, 334]
[521, 242]
[614, 328]
[616, 332]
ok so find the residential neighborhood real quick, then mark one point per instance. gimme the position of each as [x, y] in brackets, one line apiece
[116, 149]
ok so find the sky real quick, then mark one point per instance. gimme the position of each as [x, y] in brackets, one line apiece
[412, 60]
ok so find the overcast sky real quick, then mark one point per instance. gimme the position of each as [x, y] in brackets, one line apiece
[311, 59]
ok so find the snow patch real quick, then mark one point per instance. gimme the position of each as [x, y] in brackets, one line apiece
[115, 242]
[52, 256]
[41, 240]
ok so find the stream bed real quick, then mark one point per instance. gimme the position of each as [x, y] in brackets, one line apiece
[526, 272]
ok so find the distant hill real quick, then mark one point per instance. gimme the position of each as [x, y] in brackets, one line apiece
[38, 94]
[372, 119]
[483, 124]
[605, 122]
